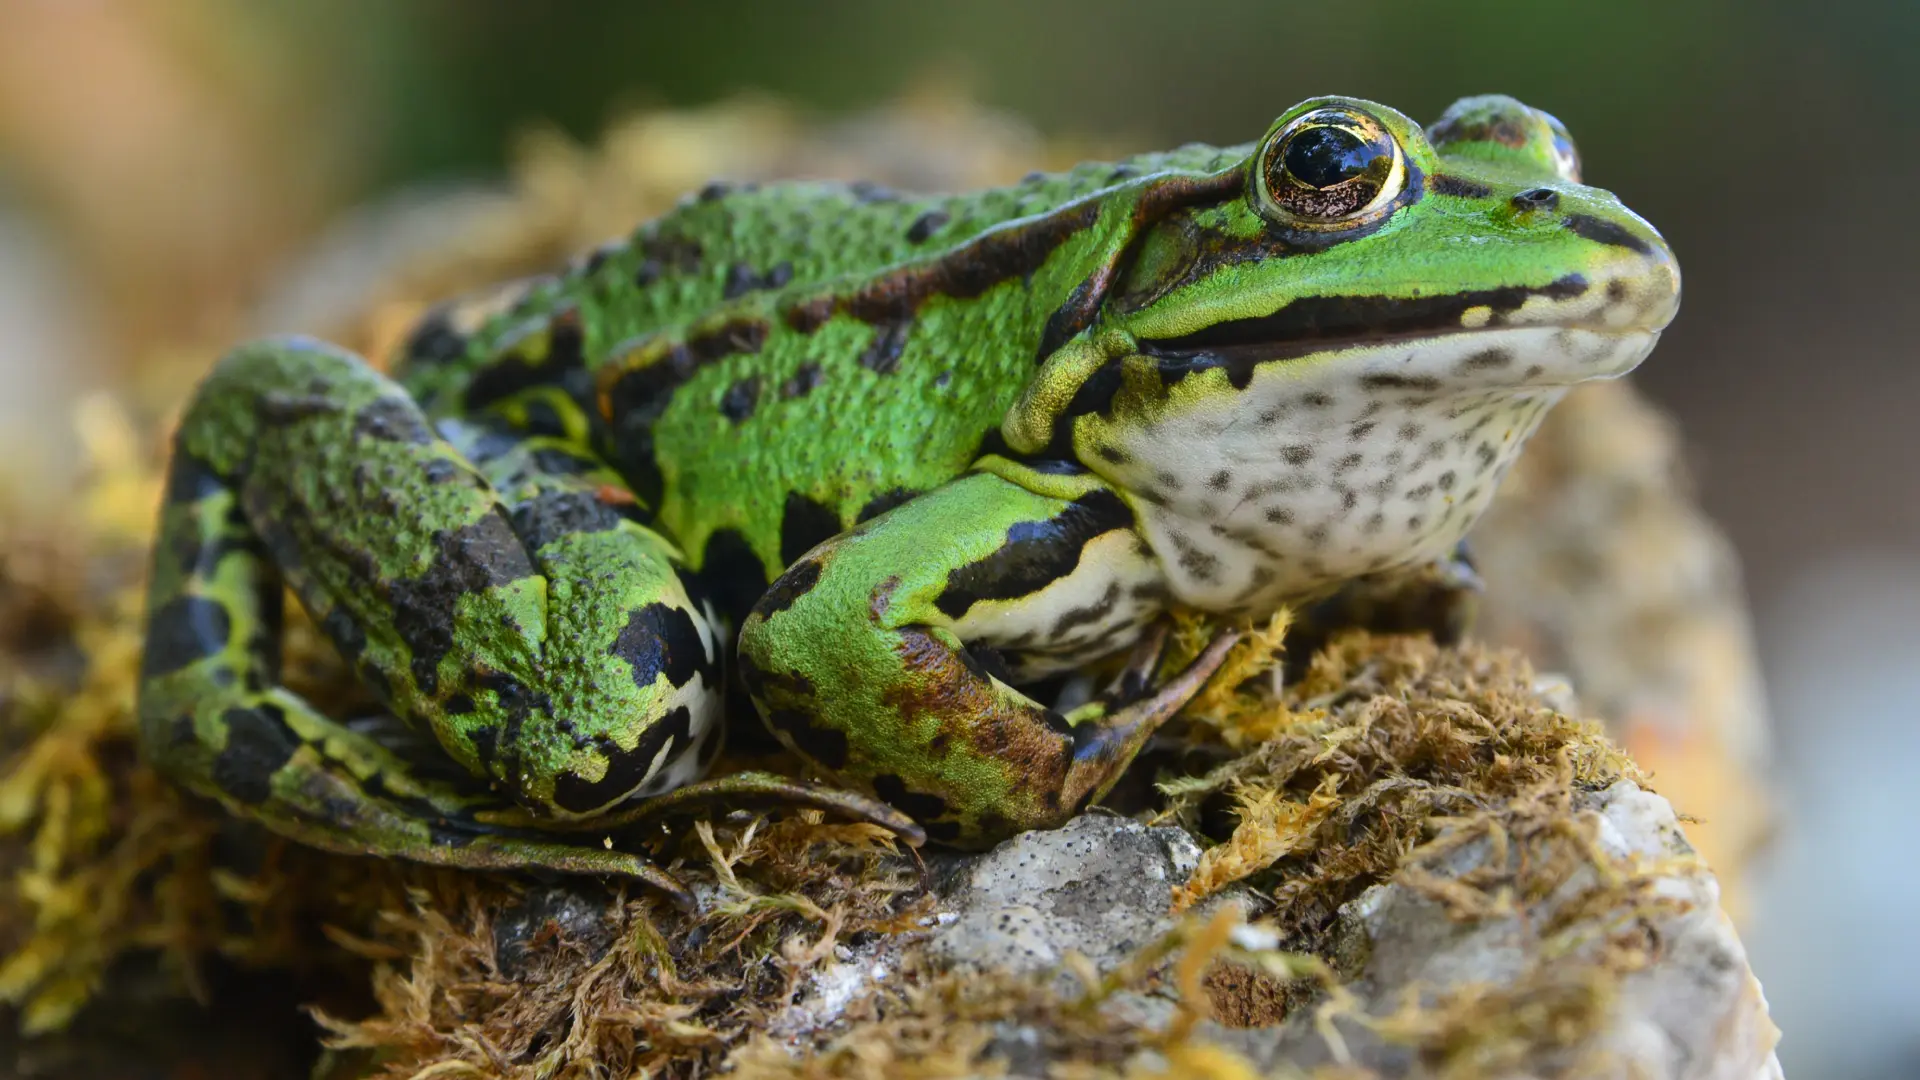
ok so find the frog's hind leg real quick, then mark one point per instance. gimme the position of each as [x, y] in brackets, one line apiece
[568, 689]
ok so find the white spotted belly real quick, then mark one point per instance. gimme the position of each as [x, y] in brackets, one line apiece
[1363, 461]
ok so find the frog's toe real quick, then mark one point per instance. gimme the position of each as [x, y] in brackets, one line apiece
[763, 789]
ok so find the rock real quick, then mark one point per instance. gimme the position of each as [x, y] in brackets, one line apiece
[1628, 967]
[1102, 886]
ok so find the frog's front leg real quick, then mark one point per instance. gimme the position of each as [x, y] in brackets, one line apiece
[545, 640]
[885, 654]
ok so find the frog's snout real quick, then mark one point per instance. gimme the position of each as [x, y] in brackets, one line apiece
[1632, 279]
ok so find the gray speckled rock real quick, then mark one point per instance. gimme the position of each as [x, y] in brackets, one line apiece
[1693, 1011]
[1100, 886]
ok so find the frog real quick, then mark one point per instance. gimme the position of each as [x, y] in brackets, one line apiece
[876, 469]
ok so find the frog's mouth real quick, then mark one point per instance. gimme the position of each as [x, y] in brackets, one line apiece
[1319, 324]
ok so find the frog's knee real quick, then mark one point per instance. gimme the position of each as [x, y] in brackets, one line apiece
[669, 747]
[633, 709]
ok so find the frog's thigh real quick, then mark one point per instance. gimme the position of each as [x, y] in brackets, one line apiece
[858, 655]
[297, 460]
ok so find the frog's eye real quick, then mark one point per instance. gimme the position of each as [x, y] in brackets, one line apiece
[1329, 166]
[1566, 156]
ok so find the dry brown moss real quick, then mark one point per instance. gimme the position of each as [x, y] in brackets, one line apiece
[1384, 739]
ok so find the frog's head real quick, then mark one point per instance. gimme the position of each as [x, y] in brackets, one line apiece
[1358, 331]
[1360, 240]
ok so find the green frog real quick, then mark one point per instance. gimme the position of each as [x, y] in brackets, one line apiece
[883, 464]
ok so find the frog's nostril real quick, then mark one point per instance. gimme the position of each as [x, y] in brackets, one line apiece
[1539, 198]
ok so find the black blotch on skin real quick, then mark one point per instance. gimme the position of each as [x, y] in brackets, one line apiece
[259, 743]
[799, 580]
[822, 745]
[434, 340]
[803, 524]
[743, 279]
[1487, 360]
[190, 479]
[183, 630]
[562, 364]
[1447, 184]
[1089, 615]
[1204, 566]
[485, 740]
[882, 503]
[660, 640]
[1035, 554]
[1094, 397]
[1601, 231]
[441, 471]
[640, 395]
[882, 355]
[713, 190]
[738, 402]
[392, 419]
[552, 515]
[667, 253]
[467, 560]
[1298, 454]
[625, 768]
[732, 574]
[1400, 382]
[926, 225]
[919, 806]
[1220, 481]
[709, 748]
[1112, 455]
[803, 381]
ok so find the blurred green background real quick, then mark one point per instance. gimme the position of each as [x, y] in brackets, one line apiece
[1773, 141]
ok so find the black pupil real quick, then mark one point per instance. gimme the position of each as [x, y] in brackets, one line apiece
[1321, 157]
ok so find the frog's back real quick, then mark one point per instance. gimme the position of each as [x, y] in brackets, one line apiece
[770, 364]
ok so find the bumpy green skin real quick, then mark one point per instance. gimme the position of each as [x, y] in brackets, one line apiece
[921, 451]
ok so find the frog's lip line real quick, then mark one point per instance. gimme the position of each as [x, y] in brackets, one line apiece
[1317, 324]
[1173, 361]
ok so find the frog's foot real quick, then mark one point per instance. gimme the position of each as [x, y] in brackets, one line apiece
[271, 757]
[499, 599]
[886, 655]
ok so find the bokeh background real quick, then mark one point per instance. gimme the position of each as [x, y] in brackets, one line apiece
[168, 167]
